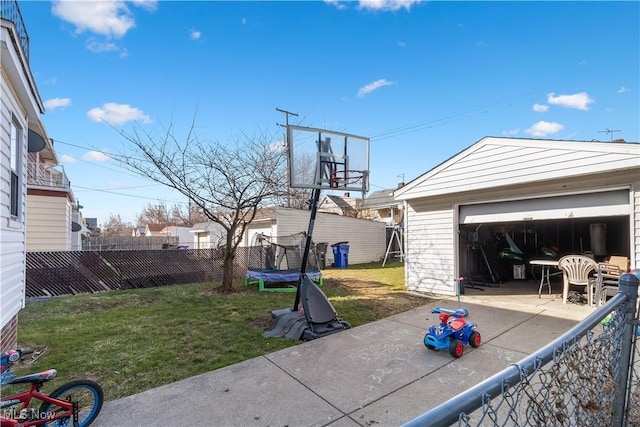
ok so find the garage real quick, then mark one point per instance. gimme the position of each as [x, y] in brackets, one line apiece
[497, 240]
[484, 213]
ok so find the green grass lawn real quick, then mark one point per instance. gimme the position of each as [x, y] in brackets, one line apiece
[133, 340]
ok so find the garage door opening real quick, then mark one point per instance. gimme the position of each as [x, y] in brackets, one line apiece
[496, 252]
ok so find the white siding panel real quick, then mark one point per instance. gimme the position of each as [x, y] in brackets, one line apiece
[366, 238]
[12, 231]
[13, 277]
[497, 162]
[610, 203]
[257, 228]
[635, 226]
[430, 249]
[48, 223]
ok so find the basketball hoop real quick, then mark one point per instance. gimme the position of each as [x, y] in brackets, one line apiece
[343, 178]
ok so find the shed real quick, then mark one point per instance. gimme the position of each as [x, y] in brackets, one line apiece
[207, 235]
[574, 196]
[366, 237]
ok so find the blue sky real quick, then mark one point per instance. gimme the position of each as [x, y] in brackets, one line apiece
[424, 80]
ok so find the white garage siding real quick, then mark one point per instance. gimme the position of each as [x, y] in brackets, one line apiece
[495, 162]
[586, 205]
[366, 238]
[508, 179]
[635, 224]
[430, 249]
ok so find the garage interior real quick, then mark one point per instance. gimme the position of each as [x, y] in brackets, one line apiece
[489, 253]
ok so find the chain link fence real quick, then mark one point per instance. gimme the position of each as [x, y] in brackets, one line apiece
[590, 376]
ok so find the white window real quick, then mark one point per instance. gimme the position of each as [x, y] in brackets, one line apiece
[16, 153]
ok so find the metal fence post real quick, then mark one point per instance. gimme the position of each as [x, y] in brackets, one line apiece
[628, 284]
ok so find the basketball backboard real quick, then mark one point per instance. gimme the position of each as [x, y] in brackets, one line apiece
[325, 159]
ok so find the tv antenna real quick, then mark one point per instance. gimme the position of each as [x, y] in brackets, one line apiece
[609, 132]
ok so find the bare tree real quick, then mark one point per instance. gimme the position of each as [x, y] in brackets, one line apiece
[228, 183]
[114, 226]
[154, 214]
[176, 215]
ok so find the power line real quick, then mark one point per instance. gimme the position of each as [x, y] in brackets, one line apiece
[126, 195]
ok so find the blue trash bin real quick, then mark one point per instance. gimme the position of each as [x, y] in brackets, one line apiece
[341, 254]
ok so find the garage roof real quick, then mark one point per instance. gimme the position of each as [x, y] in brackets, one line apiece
[496, 162]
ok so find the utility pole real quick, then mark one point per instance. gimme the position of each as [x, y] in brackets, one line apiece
[286, 144]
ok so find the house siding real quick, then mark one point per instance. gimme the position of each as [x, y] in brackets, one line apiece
[49, 223]
[496, 162]
[430, 248]
[635, 224]
[12, 230]
[19, 101]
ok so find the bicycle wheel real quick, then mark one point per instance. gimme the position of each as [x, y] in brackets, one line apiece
[87, 393]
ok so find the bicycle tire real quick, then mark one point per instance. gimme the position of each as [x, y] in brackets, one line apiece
[71, 389]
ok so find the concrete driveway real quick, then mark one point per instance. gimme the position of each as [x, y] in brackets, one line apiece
[375, 374]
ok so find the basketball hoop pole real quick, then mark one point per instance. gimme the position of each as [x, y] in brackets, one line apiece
[307, 244]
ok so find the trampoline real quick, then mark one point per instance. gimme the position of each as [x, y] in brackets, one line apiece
[285, 280]
[274, 263]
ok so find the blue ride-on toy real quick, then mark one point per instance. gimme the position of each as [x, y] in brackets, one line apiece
[452, 333]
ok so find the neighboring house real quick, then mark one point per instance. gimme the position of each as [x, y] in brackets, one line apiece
[139, 231]
[366, 238]
[384, 206]
[149, 230]
[346, 206]
[79, 229]
[184, 235]
[50, 204]
[207, 235]
[578, 196]
[92, 223]
[21, 133]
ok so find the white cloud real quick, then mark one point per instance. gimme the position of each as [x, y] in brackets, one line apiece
[340, 5]
[244, 21]
[373, 86]
[95, 156]
[540, 108]
[623, 89]
[580, 100]
[117, 114]
[97, 46]
[511, 132]
[149, 5]
[108, 18]
[402, 44]
[543, 128]
[195, 34]
[52, 104]
[65, 158]
[387, 5]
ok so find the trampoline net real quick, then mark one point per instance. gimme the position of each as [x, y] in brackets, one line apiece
[280, 252]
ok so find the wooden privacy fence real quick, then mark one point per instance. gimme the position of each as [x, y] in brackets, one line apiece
[70, 273]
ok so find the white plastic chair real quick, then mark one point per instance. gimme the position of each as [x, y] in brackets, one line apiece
[576, 271]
